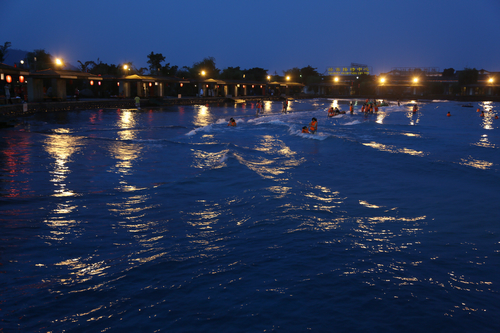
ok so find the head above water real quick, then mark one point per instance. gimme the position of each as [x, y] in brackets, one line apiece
[314, 119]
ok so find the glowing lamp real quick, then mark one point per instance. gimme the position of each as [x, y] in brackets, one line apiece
[21, 79]
[203, 72]
[118, 84]
[125, 67]
[288, 78]
[8, 78]
[150, 84]
[415, 80]
[99, 83]
[491, 80]
[268, 77]
[382, 80]
[336, 79]
[91, 82]
[59, 62]
[252, 85]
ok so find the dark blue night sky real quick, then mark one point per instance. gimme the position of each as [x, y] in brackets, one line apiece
[275, 35]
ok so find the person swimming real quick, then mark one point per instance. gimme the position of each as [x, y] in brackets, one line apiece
[331, 112]
[448, 114]
[313, 126]
[232, 122]
[305, 130]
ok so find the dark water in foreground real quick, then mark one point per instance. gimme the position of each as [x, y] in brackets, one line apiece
[168, 220]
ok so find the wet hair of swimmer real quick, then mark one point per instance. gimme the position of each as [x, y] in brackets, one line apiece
[304, 127]
[314, 119]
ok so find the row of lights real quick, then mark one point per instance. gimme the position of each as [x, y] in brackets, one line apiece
[415, 80]
[59, 62]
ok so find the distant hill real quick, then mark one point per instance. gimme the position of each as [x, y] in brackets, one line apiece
[14, 56]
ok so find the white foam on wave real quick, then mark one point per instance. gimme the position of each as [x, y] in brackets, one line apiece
[200, 129]
[354, 122]
[224, 157]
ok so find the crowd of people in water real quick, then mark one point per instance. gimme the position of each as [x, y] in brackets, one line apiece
[367, 107]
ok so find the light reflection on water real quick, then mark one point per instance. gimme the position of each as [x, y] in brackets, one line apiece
[394, 149]
[202, 116]
[279, 222]
[61, 148]
[484, 142]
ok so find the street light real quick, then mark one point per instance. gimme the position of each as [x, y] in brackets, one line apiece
[491, 80]
[59, 62]
[203, 73]
[382, 80]
[415, 80]
[288, 78]
[336, 79]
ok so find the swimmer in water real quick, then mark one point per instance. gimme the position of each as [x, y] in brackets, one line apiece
[448, 114]
[313, 126]
[232, 122]
[305, 130]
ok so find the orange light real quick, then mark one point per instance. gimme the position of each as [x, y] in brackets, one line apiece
[118, 84]
[181, 84]
[99, 83]
[21, 79]
[91, 82]
[8, 78]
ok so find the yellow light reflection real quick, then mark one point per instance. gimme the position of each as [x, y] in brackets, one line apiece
[412, 135]
[478, 164]
[488, 120]
[202, 115]
[380, 117]
[82, 271]
[366, 204]
[127, 121]
[393, 149]
[485, 142]
[270, 168]
[61, 147]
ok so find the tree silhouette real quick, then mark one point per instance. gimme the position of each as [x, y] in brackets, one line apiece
[4, 50]
[155, 60]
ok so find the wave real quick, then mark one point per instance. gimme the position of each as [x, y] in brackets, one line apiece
[354, 122]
